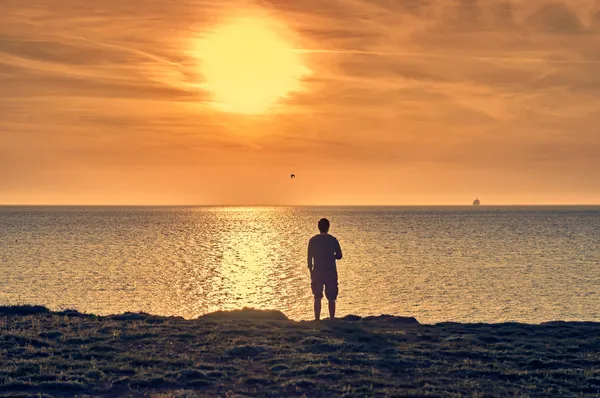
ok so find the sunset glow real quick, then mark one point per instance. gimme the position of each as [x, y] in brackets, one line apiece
[367, 103]
[248, 67]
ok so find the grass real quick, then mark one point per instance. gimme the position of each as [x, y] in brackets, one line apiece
[256, 353]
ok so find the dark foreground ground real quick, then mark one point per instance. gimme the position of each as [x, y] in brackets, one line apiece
[251, 353]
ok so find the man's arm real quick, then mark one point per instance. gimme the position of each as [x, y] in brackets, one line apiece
[310, 256]
[338, 250]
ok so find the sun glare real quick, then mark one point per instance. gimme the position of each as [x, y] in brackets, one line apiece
[248, 66]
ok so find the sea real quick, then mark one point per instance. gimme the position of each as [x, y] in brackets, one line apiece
[439, 264]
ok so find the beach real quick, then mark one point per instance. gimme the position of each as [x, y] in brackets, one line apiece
[262, 353]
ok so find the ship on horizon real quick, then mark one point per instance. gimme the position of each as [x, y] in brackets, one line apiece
[476, 202]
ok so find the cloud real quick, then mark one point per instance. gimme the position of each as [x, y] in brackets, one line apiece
[556, 18]
[490, 84]
[595, 21]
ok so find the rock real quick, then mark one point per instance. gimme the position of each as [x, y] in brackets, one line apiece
[130, 316]
[23, 310]
[396, 320]
[246, 314]
[71, 313]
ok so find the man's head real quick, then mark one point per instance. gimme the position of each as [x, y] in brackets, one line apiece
[324, 225]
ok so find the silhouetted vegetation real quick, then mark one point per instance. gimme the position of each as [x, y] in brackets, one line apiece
[250, 353]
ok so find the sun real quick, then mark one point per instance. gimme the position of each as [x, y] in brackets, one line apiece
[249, 66]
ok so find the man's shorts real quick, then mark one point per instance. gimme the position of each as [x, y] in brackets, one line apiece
[330, 283]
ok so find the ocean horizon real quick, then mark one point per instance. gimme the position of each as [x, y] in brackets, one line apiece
[524, 263]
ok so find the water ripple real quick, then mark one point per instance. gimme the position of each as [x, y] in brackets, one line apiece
[438, 264]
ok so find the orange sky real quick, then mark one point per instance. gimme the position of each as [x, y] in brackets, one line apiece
[392, 102]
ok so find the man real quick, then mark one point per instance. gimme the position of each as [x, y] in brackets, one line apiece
[323, 250]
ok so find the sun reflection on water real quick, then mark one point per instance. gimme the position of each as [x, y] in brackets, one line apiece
[245, 265]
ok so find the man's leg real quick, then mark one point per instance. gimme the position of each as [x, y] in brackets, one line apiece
[317, 290]
[331, 309]
[317, 308]
[331, 292]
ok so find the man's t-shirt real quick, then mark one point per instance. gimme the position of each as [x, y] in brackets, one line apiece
[324, 249]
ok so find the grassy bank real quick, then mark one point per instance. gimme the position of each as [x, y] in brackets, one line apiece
[251, 353]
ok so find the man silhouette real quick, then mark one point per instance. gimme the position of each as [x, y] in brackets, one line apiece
[323, 250]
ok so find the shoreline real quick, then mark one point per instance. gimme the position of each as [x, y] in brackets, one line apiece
[262, 353]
